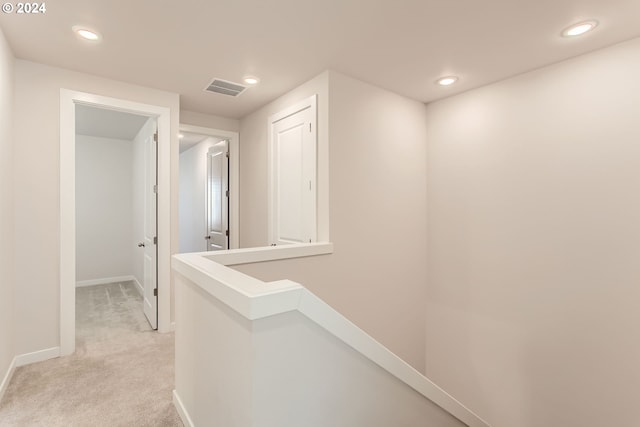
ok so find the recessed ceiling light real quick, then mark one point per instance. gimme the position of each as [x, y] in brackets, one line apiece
[86, 33]
[251, 80]
[579, 29]
[446, 81]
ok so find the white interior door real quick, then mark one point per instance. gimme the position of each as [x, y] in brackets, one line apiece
[150, 227]
[218, 197]
[293, 178]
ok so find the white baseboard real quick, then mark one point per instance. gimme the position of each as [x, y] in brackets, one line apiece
[37, 356]
[104, 281]
[170, 328]
[7, 378]
[184, 416]
[138, 285]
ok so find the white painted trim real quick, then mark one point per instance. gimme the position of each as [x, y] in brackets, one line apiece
[68, 100]
[164, 218]
[140, 288]
[182, 411]
[67, 222]
[104, 281]
[311, 103]
[7, 378]
[37, 356]
[269, 253]
[240, 291]
[322, 314]
[255, 299]
[234, 177]
[237, 290]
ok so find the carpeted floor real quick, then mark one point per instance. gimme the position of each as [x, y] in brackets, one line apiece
[122, 373]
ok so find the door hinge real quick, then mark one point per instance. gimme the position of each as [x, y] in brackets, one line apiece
[155, 292]
[226, 193]
[227, 154]
[155, 137]
[155, 189]
[155, 240]
[309, 127]
[226, 233]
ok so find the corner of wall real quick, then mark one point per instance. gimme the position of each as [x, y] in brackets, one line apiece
[533, 243]
[7, 215]
[378, 152]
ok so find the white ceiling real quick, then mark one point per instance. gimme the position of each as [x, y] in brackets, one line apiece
[108, 123]
[401, 45]
[190, 139]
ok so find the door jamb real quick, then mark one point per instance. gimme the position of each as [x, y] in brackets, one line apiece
[68, 101]
[234, 176]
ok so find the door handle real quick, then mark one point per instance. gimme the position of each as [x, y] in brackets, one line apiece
[207, 237]
[141, 245]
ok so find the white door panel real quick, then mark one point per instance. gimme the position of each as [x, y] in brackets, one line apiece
[290, 193]
[293, 178]
[150, 227]
[218, 197]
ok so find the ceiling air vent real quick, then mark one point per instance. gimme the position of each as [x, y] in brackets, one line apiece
[224, 87]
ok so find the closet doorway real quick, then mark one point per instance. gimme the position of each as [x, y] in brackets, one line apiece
[159, 289]
[116, 209]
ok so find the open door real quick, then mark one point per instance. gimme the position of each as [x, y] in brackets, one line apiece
[218, 197]
[150, 243]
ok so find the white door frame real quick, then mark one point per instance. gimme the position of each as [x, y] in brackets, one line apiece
[68, 101]
[234, 176]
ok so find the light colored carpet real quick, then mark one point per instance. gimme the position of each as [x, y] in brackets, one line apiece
[122, 373]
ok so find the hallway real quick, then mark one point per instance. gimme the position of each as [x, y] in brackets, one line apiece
[121, 374]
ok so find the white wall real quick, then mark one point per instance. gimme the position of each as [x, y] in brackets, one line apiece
[193, 188]
[283, 370]
[534, 231]
[7, 219]
[37, 100]
[377, 194]
[104, 211]
[291, 352]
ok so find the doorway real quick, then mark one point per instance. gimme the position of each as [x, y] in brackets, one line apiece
[209, 196]
[116, 207]
[69, 100]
